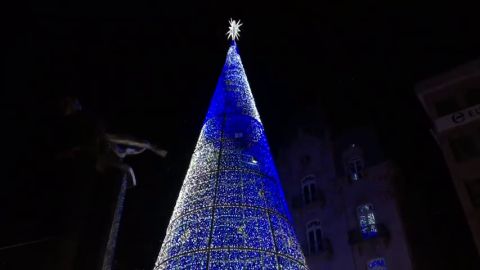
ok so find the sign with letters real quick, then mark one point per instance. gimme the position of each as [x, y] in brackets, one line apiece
[458, 118]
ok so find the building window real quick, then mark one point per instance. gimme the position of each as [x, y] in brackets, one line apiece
[315, 238]
[464, 148]
[309, 190]
[366, 219]
[446, 106]
[354, 164]
[472, 97]
[377, 264]
[355, 169]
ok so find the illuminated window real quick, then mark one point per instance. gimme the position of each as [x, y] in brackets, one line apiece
[355, 168]
[308, 189]
[366, 219]
[377, 264]
[314, 236]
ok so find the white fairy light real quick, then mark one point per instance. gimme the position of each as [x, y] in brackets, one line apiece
[231, 212]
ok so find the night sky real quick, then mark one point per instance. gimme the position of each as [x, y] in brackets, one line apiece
[149, 70]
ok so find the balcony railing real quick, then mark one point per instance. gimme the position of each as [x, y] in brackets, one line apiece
[356, 236]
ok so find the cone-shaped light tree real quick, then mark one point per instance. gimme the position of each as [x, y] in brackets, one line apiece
[231, 212]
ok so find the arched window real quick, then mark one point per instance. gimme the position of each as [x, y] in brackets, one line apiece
[366, 219]
[314, 237]
[354, 163]
[377, 264]
[355, 168]
[309, 190]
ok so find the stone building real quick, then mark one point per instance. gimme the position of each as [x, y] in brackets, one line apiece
[452, 102]
[343, 197]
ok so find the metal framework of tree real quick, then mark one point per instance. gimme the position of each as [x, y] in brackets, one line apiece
[231, 212]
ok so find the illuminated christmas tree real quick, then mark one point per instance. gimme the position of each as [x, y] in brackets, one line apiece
[231, 212]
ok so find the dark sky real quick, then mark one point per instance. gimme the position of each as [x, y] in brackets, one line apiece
[149, 70]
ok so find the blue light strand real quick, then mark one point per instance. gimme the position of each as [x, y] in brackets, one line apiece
[231, 211]
[377, 264]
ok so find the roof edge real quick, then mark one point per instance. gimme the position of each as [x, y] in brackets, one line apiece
[454, 75]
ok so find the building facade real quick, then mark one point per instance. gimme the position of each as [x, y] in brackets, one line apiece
[342, 196]
[452, 102]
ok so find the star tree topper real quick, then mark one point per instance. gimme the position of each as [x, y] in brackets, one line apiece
[234, 30]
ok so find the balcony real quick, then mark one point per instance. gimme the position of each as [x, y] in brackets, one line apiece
[355, 236]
